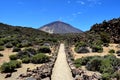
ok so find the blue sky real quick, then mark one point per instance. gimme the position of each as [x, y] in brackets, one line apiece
[81, 14]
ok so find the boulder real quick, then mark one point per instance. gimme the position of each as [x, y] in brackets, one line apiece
[47, 78]
[118, 52]
[23, 75]
[8, 75]
[83, 50]
[78, 77]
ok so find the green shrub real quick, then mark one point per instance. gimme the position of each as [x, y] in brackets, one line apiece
[78, 62]
[106, 76]
[116, 75]
[44, 49]
[10, 66]
[106, 66]
[26, 44]
[84, 60]
[112, 51]
[80, 44]
[19, 45]
[1, 55]
[97, 48]
[26, 60]
[1, 42]
[94, 64]
[30, 51]
[1, 48]
[39, 58]
[105, 37]
[22, 54]
[16, 49]
[13, 57]
[8, 45]
[27, 52]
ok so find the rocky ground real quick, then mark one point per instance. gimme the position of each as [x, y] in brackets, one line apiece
[80, 73]
[61, 68]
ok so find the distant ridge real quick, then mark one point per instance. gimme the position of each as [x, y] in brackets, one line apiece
[59, 27]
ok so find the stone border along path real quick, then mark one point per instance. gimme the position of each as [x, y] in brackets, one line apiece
[61, 70]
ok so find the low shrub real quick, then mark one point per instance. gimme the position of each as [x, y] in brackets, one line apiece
[19, 45]
[13, 57]
[8, 45]
[39, 58]
[1, 48]
[26, 60]
[27, 52]
[80, 44]
[106, 76]
[1, 42]
[116, 75]
[94, 64]
[16, 49]
[44, 49]
[84, 60]
[78, 62]
[112, 51]
[97, 48]
[30, 51]
[10, 66]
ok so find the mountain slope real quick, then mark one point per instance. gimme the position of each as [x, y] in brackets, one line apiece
[110, 28]
[20, 36]
[59, 27]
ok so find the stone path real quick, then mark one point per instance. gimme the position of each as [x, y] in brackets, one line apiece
[61, 70]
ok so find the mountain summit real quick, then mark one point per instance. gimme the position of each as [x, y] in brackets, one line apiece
[59, 27]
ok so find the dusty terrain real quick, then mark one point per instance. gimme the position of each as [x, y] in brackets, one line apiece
[61, 70]
[105, 52]
[7, 52]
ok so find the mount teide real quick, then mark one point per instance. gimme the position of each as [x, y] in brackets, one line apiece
[59, 27]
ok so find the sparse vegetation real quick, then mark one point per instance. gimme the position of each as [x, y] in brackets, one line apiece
[10, 66]
[100, 35]
[106, 65]
[39, 58]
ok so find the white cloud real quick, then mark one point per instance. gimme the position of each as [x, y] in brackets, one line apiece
[68, 2]
[80, 2]
[76, 14]
[92, 3]
[79, 13]
[95, 1]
